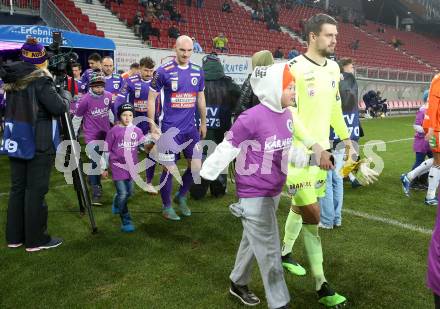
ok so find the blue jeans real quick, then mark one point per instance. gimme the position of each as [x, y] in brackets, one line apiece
[95, 180]
[331, 203]
[124, 189]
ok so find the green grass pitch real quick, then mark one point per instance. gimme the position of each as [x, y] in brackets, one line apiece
[186, 264]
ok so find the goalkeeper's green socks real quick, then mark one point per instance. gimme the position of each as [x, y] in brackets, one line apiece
[291, 231]
[312, 244]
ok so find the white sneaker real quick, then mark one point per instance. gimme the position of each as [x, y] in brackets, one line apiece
[151, 189]
[322, 226]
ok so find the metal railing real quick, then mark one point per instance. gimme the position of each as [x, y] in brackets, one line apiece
[53, 16]
[12, 6]
[390, 74]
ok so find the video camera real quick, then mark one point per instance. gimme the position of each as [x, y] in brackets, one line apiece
[60, 65]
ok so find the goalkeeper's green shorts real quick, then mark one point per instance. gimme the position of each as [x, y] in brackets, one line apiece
[306, 185]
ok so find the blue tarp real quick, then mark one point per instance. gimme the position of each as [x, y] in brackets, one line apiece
[19, 33]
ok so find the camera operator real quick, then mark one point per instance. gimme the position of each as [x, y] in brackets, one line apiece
[30, 140]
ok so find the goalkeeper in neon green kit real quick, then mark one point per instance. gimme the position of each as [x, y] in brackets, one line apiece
[318, 106]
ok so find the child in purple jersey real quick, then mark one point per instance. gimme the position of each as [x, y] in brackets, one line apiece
[135, 91]
[181, 84]
[261, 139]
[122, 142]
[95, 109]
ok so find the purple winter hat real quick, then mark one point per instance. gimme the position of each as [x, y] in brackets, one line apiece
[33, 52]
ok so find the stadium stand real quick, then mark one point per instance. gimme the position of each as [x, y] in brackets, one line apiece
[246, 36]
[76, 16]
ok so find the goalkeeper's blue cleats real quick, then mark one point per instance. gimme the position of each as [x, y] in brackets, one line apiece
[431, 201]
[405, 184]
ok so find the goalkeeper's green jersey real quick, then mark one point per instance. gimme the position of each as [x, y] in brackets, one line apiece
[318, 104]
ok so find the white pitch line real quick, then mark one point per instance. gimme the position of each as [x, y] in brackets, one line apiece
[388, 142]
[387, 221]
[396, 223]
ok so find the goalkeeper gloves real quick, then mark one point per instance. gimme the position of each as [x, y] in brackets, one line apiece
[361, 170]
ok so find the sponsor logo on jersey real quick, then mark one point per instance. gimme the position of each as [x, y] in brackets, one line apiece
[195, 67]
[274, 144]
[194, 74]
[183, 100]
[293, 188]
[140, 106]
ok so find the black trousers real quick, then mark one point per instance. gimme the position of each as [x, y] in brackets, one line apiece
[27, 211]
[218, 186]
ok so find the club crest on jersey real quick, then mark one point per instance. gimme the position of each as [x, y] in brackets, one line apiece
[133, 135]
[194, 81]
[106, 101]
[116, 86]
[333, 84]
[137, 93]
[290, 125]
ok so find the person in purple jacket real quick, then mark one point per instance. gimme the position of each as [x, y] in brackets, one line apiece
[181, 84]
[433, 273]
[113, 81]
[94, 61]
[94, 110]
[261, 140]
[135, 91]
[122, 142]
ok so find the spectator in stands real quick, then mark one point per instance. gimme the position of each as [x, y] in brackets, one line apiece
[199, 3]
[273, 25]
[396, 42]
[292, 54]
[220, 43]
[188, 2]
[144, 3]
[134, 69]
[147, 29]
[247, 97]
[196, 46]
[226, 7]
[137, 21]
[354, 45]
[176, 16]
[255, 15]
[278, 54]
[173, 32]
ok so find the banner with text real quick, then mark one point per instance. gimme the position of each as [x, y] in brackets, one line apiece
[237, 67]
